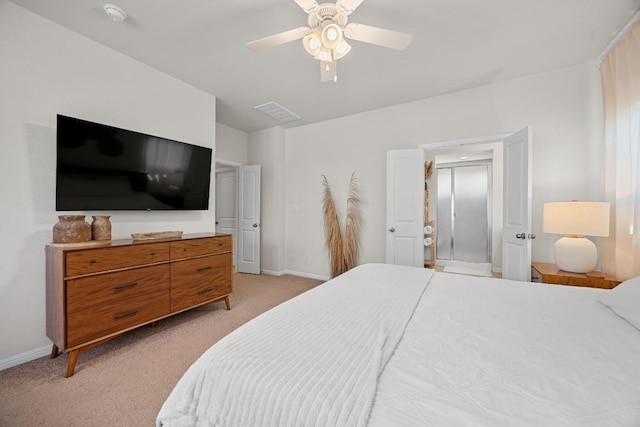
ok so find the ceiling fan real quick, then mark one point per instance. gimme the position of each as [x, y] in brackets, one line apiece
[324, 37]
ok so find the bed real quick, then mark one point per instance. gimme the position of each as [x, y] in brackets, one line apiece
[385, 345]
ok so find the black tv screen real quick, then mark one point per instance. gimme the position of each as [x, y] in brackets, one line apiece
[101, 167]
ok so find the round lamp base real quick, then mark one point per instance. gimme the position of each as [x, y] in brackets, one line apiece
[575, 254]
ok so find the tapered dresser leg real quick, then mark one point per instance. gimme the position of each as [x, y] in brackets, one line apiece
[54, 352]
[227, 302]
[71, 365]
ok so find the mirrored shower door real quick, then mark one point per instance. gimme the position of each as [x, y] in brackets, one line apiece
[464, 213]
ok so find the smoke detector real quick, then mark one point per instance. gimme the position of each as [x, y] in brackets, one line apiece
[114, 12]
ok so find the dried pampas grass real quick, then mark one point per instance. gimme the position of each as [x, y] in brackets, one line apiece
[332, 233]
[428, 169]
[351, 245]
[343, 249]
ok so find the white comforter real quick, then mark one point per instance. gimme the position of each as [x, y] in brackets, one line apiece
[475, 352]
[486, 352]
[314, 360]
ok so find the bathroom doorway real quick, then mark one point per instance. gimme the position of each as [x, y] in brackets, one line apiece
[464, 194]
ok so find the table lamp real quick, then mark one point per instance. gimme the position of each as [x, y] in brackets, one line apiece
[573, 252]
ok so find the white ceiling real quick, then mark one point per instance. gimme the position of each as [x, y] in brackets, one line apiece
[457, 44]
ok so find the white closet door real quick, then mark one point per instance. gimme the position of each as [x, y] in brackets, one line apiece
[516, 228]
[405, 206]
[249, 219]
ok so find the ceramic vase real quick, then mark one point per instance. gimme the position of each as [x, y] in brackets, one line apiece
[71, 229]
[101, 227]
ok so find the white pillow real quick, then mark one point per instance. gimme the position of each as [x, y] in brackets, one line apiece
[624, 300]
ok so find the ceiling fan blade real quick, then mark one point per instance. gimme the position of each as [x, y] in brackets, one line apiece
[278, 39]
[345, 7]
[328, 71]
[309, 6]
[377, 36]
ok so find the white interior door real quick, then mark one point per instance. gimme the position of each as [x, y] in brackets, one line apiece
[227, 205]
[249, 219]
[516, 238]
[405, 200]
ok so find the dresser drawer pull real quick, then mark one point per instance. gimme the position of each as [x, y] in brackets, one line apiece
[203, 269]
[127, 314]
[204, 291]
[126, 285]
[93, 261]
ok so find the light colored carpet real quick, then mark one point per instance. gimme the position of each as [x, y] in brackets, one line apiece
[469, 271]
[125, 381]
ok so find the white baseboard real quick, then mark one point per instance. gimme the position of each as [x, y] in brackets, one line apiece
[294, 273]
[272, 273]
[307, 275]
[25, 357]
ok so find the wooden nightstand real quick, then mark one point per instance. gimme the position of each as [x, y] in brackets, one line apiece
[543, 272]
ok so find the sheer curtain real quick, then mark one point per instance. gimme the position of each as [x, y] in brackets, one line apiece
[620, 72]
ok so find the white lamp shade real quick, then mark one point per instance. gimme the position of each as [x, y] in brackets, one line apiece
[576, 218]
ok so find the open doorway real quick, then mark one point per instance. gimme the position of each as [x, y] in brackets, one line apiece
[464, 210]
[409, 184]
[465, 205]
[238, 212]
[226, 210]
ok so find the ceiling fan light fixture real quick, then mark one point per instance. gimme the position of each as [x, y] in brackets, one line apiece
[342, 49]
[312, 43]
[331, 36]
[324, 55]
[324, 36]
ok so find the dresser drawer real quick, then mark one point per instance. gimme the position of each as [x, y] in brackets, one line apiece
[113, 287]
[112, 258]
[104, 319]
[198, 247]
[200, 280]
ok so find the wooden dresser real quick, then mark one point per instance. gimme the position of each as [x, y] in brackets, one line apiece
[96, 291]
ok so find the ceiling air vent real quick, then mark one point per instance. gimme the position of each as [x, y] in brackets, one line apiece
[277, 111]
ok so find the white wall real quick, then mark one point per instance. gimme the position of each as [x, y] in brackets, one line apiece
[45, 70]
[232, 144]
[266, 148]
[560, 106]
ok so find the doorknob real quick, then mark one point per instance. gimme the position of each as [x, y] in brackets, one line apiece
[521, 236]
[531, 236]
[255, 225]
[392, 229]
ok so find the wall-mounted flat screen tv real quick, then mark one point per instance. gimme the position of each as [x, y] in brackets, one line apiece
[101, 167]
